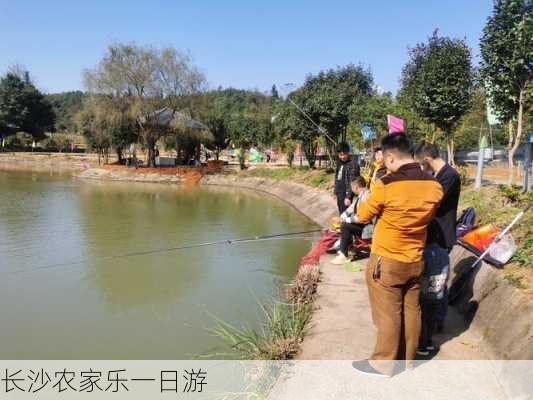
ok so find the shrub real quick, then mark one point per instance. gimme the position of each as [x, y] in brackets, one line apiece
[20, 140]
[277, 339]
[463, 173]
[512, 195]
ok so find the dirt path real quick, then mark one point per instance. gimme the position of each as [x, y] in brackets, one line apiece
[342, 329]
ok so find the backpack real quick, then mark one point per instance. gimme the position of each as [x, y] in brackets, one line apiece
[466, 222]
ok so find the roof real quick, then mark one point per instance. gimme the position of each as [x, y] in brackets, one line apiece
[170, 118]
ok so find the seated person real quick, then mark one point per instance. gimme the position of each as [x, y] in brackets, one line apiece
[378, 169]
[350, 225]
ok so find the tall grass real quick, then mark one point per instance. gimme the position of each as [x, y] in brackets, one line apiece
[277, 338]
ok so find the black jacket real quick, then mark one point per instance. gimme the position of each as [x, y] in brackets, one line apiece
[345, 173]
[442, 229]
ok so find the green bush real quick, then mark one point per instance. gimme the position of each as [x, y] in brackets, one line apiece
[20, 140]
[48, 144]
[513, 195]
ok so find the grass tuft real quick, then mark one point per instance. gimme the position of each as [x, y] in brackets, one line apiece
[278, 338]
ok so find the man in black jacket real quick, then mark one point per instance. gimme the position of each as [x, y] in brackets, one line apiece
[442, 229]
[347, 170]
[440, 241]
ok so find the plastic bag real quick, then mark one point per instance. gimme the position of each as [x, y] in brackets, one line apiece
[503, 250]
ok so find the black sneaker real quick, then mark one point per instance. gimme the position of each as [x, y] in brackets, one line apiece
[422, 351]
[364, 367]
[430, 347]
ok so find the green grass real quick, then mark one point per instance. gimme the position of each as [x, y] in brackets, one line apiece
[516, 281]
[524, 254]
[272, 173]
[277, 338]
[317, 178]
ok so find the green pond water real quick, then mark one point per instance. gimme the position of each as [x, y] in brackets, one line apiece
[153, 306]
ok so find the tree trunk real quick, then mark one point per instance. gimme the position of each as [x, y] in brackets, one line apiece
[151, 158]
[510, 153]
[514, 141]
[178, 159]
[198, 153]
[310, 154]
[242, 158]
[433, 134]
[119, 155]
[450, 148]
[290, 158]
[150, 145]
[330, 150]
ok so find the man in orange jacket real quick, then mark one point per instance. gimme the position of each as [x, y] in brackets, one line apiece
[404, 201]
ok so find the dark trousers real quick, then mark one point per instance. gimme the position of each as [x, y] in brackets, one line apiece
[430, 309]
[433, 298]
[340, 202]
[443, 309]
[347, 232]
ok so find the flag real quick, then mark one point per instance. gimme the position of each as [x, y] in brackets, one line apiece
[367, 132]
[492, 117]
[396, 125]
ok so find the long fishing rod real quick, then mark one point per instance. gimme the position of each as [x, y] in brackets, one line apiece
[457, 288]
[501, 235]
[176, 248]
[319, 128]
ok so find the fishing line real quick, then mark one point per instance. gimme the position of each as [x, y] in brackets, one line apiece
[169, 249]
[320, 129]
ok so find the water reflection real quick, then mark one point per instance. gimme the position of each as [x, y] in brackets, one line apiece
[150, 306]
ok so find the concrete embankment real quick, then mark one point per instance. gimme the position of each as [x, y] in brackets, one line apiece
[501, 313]
[53, 162]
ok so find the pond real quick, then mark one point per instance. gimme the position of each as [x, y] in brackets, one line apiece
[70, 288]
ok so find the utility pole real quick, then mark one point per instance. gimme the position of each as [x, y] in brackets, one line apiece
[480, 159]
[527, 163]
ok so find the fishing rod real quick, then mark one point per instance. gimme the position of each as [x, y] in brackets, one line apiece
[290, 235]
[458, 286]
[501, 235]
[319, 128]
